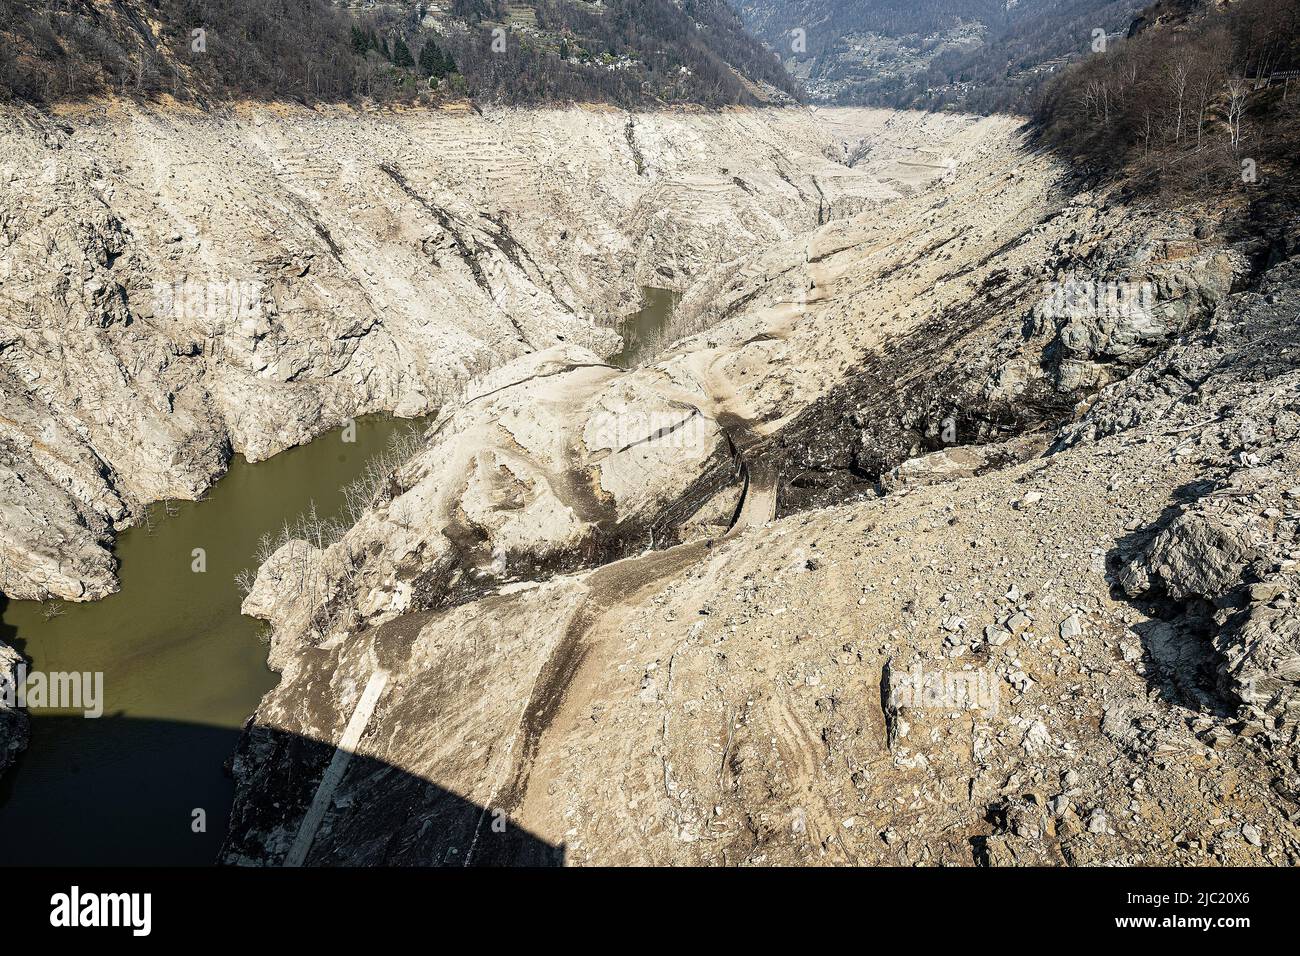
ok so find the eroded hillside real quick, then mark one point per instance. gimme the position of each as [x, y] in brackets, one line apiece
[178, 286]
[587, 633]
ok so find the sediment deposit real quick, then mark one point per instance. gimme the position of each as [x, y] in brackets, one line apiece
[178, 286]
[909, 453]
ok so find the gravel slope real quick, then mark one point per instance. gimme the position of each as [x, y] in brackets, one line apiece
[1076, 520]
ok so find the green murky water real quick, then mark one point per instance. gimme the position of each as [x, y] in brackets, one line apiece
[643, 330]
[182, 670]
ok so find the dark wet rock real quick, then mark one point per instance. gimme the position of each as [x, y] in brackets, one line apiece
[13, 721]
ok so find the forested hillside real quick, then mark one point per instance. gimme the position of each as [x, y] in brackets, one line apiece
[975, 55]
[628, 52]
[1198, 98]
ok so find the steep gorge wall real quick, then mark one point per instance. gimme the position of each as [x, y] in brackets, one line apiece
[176, 286]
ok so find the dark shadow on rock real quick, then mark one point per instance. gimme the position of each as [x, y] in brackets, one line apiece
[130, 799]
[900, 399]
[1178, 657]
[8, 632]
[380, 815]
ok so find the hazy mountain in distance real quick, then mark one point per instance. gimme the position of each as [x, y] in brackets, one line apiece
[977, 55]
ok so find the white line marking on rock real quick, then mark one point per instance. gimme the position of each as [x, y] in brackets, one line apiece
[334, 772]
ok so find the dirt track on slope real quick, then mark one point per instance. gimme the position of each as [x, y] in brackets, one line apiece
[560, 685]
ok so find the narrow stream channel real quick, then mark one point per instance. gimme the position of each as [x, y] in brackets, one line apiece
[182, 670]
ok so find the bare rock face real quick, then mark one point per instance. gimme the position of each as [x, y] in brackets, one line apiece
[1229, 553]
[554, 460]
[946, 464]
[1246, 580]
[1106, 327]
[296, 568]
[177, 286]
[1194, 556]
[944, 675]
[54, 542]
[1260, 652]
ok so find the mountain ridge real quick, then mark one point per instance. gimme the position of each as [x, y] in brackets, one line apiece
[641, 53]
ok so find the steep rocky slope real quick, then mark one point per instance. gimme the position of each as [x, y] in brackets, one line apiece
[179, 286]
[745, 694]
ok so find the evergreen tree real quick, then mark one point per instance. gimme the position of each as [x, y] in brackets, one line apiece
[360, 41]
[402, 54]
[430, 60]
[436, 62]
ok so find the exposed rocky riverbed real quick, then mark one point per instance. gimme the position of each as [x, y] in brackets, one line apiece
[730, 697]
[928, 406]
[177, 286]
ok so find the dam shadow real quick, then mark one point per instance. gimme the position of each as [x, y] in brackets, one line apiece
[178, 806]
